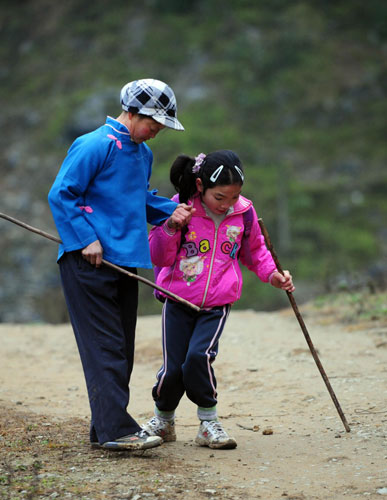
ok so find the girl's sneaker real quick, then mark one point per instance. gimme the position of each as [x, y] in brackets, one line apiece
[162, 428]
[212, 434]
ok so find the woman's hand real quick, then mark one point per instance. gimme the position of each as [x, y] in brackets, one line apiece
[93, 253]
[181, 216]
[284, 281]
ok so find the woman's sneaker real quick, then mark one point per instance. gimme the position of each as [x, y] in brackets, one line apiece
[140, 440]
[212, 434]
[162, 428]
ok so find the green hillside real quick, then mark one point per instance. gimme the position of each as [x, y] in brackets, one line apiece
[296, 88]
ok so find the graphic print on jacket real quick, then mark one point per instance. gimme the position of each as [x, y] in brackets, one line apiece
[191, 267]
[193, 263]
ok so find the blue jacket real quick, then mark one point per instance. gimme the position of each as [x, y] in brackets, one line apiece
[101, 192]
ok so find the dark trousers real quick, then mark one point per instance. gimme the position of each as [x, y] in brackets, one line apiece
[102, 304]
[190, 345]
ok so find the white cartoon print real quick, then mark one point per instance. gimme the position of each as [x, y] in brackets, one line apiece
[191, 268]
[233, 232]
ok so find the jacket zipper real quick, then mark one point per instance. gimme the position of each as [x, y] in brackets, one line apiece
[211, 264]
[212, 260]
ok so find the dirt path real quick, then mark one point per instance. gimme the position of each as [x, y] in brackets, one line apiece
[267, 380]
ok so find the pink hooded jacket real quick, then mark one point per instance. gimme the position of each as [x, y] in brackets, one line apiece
[205, 269]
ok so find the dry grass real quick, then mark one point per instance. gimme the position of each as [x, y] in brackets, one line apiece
[40, 458]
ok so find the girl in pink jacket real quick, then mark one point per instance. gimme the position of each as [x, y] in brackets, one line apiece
[200, 262]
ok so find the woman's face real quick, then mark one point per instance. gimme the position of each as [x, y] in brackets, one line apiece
[143, 128]
[219, 198]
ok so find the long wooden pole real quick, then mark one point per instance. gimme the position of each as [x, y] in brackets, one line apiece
[105, 262]
[304, 329]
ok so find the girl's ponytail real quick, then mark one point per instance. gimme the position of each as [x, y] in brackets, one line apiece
[182, 177]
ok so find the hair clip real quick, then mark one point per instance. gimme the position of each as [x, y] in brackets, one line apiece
[199, 159]
[216, 174]
[239, 172]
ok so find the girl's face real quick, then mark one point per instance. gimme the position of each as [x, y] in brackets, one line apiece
[219, 198]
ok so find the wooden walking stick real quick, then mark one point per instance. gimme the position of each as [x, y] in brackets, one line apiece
[105, 262]
[304, 329]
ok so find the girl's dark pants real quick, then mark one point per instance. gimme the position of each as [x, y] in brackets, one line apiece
[190, 345]
[102, 304]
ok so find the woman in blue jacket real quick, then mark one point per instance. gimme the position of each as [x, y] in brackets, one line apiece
[101, 206]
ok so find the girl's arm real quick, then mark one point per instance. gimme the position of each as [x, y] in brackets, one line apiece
[262, 263]
[164, 243]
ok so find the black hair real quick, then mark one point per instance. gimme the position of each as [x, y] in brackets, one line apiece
[184, 180]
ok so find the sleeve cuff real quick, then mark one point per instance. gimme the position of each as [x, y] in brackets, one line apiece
[169, 231]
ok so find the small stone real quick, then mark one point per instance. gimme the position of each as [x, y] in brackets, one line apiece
[267, 432]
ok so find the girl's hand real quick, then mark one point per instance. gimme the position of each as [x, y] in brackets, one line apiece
[284, 281]
[181, 216]
[93, 253]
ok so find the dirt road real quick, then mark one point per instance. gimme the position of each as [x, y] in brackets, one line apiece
[272, 399]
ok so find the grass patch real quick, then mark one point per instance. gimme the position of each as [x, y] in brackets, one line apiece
[352, 307]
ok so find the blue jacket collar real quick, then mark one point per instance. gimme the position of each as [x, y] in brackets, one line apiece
[117, 126]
